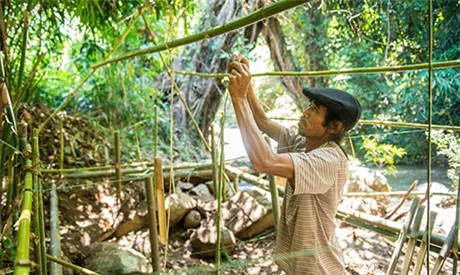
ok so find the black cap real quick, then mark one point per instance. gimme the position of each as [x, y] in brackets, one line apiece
[345, 106]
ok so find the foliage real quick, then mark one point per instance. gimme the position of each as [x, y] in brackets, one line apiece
[448, 145]
[382, 154]
[366, 33]
[7, 250]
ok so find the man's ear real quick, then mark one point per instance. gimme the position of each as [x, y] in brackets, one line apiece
[335, 127]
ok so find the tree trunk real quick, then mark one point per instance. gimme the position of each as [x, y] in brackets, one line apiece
[203, 95]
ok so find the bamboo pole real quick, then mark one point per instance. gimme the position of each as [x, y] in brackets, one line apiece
[343, 71]
[425, 244]
[402, 236]
[72, 266]
[215, 166]
[55, 237]
[265, 12]
[274, 194]
[219, 198]
[413, 236]
[39, 219]
[152, 218]
[22, 264]
[159, 183]
[117, 158]
[252, 179]
[457, 227]
[396, 208]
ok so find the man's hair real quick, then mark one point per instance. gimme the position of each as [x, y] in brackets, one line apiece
[332, 117]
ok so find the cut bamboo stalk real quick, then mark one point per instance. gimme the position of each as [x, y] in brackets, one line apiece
[71, 265]
[159, 183]
[152, 225]
[215, 167]
[22, 264]
[55, 237]
[445, 251]
[414, 235]
[424, 245]
[274, 193]
[39, 214]
[118, 173]
[219, 196]
[403, 236]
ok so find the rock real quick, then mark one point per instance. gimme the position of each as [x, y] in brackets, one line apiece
[245, 216]
[202, 192]
[179, 205]
[185, 186]
[366, 205]
[112, 259]
[192, 219]
[204, 239]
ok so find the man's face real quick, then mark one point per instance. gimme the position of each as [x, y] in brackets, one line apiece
[311, 124]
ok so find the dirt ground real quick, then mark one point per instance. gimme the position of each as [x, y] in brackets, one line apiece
[91, 209]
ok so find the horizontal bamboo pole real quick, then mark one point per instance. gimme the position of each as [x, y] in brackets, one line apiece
[397, 194]
[136, 166]
[70, 265]
[408, 125]
[387, 228]
[398, 69]
[265, 12]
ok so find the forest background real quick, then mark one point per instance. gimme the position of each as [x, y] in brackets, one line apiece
[52, 51]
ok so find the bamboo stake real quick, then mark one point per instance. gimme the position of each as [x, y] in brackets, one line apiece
[215, 166]
[118, 174]
[445, 251]
[457, 228]
[424, 245]
[72, 266]
[414, 234]
[23, 263]
[274, 194]
[38, 251]
[159, 182]
[402, 236]
[265, 12]
[152, 225]
[219, 197]
[343, 71]
[55, 238]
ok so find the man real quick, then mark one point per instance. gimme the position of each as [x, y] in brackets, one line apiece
[313, 163]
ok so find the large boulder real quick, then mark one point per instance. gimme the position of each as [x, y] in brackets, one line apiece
[178, 204]
[245, 216]
[113, 259]
[204, 239]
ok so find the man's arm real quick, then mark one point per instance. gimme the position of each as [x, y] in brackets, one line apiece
[263, 159]
[265, 124]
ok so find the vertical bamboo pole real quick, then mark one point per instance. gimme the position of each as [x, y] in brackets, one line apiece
[23, 263]
[39, 201]
[457, 228]
[219, 192]
[159, 182]
[215, 166]
[430, 123]
[55, 238]
[152, 224]
[274, 194]
[118, 163]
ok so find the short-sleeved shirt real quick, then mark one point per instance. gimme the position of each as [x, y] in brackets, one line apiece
[306, 242]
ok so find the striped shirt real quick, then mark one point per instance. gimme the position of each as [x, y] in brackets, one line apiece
[306, 242]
